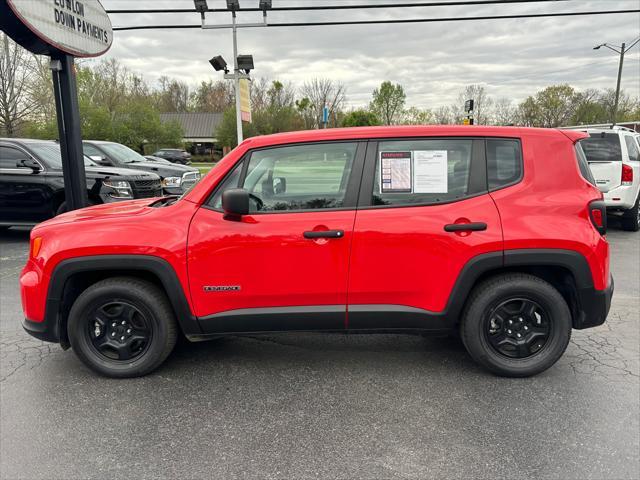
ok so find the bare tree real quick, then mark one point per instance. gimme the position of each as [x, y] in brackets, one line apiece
[16, 105]
[482, 104]
[443, 115]
[504, 113]
[323, 92]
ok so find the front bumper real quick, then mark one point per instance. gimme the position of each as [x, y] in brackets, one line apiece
[594, 306]
[44, 331]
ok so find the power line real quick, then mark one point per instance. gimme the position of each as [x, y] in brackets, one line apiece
[407, 20]
[339, 7]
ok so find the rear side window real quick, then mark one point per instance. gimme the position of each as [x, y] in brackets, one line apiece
[415, 172]
[584, 165]
[602, 147]
[504, 162]
[632, 148]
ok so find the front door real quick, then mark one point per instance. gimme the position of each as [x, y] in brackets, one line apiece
[285, 265]
[24, 196]
[424, 212]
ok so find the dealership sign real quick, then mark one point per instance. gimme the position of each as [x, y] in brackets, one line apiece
[76, 27]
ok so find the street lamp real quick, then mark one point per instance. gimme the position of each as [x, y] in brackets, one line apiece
[242, 64]
[620, 50]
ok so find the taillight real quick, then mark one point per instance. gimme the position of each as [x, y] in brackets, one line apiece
[598, 216]
[627, 174]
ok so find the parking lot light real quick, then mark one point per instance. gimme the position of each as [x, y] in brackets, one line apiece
[200, 5]
[218, 63]
[245, 62]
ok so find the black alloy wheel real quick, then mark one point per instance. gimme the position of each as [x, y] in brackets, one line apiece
[518, 328]
[119, 331]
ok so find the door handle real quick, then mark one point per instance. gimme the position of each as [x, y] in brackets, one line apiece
[465, 227]
[324, 234]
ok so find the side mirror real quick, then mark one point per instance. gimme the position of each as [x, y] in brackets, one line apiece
[29, 163]
[279, 185]
[235, 202]
[100, 160]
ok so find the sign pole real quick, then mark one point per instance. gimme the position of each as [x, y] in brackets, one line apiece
[68, 114]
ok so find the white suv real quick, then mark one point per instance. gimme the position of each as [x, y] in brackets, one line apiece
[614, 158]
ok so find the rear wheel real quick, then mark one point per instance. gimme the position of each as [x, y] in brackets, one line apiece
[516, 325]
[122, 327]
[631, 218]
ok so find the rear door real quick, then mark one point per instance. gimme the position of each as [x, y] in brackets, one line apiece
[423, 213]
[285, 265]
[604, 154]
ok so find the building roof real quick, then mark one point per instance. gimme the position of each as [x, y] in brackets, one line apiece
[197, 127]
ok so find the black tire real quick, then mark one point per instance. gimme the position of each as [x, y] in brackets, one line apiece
[492, 294]
[152, 306]
[631, 218]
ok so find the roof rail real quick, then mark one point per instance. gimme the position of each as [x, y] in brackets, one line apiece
[626, 126]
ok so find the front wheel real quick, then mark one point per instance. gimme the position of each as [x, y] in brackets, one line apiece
[516, 325]
[122, 327]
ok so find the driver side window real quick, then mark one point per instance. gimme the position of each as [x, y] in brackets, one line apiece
[297, 177]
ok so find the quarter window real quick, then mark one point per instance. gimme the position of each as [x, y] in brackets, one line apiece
[412, 172]
[632, 148]
[504, 162]
[298, 177]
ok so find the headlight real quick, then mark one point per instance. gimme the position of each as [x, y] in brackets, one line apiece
[122, 189]
[171, 182]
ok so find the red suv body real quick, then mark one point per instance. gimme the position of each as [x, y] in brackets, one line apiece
[496, 233]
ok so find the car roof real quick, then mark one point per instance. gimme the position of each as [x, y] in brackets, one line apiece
[28, 140]
[406, 131]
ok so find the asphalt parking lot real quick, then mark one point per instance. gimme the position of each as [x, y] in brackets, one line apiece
[324, 406]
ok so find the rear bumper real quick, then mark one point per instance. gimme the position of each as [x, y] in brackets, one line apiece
[622, 197]
[594, 306]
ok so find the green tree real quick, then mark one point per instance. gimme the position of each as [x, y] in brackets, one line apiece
[388, 102]
[556, 105]
[416, 116]
[226, 132]
[360, 118]
[528, 113]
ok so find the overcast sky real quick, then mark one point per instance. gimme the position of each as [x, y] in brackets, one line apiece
[433, 61]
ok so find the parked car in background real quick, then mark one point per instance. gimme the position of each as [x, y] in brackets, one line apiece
[174, 155]
[32, 184]
[614, 158]
[495, 233]
[151, 158]
[176, 179]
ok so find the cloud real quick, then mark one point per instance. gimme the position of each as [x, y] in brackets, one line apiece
[433, 61]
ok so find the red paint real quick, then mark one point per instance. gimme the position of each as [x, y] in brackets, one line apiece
[398, 256]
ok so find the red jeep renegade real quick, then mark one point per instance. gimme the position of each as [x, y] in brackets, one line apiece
[493, 233]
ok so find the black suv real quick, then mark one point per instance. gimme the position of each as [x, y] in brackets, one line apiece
[176, 179]
[32, 185]
[174, 155]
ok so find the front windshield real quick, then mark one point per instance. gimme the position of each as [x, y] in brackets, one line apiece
[121, 153]
[50, 153]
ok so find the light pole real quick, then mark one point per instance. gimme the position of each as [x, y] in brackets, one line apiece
[620, 50]
[240, 62]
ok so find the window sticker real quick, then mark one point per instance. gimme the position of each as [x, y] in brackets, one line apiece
[430, 171]
[395, 172]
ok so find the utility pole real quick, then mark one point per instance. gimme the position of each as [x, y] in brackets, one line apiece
[236, 79]
[615, 105]
[620, 50]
